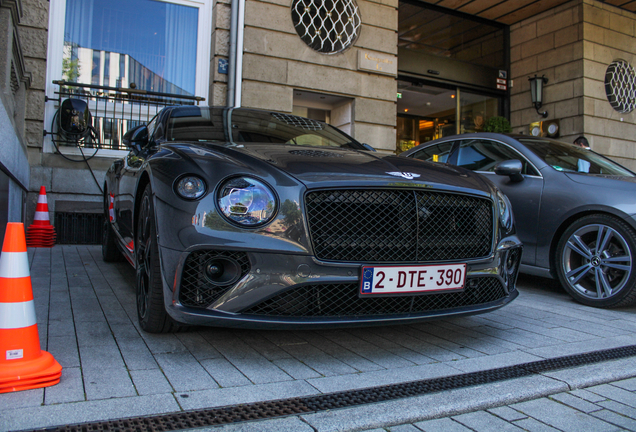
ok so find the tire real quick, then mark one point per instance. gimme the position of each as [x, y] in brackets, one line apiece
[602, 276]
[151, 311]
[110, 252]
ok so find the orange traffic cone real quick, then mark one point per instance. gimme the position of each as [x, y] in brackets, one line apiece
[41, 233]
[23, 365]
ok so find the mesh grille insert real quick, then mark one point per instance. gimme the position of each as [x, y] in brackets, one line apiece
[398, 225]
[341, 300]
[197, 290]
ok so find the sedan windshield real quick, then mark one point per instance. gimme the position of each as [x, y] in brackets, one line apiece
[245, 126]
[571, 158]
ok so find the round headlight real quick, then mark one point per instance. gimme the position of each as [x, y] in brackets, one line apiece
[505, 211]
[190, 187]
[247, 201]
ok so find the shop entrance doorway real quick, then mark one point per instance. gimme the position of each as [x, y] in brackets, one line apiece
[427, 111]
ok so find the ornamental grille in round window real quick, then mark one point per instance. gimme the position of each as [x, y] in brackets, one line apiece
[620, 86]
[327, 26]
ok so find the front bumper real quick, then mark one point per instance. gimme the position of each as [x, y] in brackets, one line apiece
[278, 290]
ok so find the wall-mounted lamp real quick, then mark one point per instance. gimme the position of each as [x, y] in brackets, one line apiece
[536, 92]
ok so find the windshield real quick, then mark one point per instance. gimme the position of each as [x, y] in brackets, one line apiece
[209, 125]
[571, 158]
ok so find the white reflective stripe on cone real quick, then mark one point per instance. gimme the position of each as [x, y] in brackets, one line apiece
[17, 315]
[41, 216]
[14, 265]
[42, 199]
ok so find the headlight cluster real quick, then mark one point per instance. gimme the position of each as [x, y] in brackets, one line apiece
[246, 201]
[505, 211]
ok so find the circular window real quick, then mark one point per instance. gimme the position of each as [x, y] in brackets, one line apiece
[327, 26]
[620, 82]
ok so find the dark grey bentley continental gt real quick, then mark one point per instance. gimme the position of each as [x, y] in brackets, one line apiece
[246, 218]
[575, 209]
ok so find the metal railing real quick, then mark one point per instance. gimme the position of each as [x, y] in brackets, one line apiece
[114, 111]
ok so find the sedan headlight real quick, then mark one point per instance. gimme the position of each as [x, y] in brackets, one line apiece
[247, 201]
[190, 187]
[505, 211]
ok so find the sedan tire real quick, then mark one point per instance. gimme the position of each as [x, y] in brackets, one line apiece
[151, 311]
[596, 261]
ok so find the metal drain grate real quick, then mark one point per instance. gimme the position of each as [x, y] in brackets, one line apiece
[311, 404]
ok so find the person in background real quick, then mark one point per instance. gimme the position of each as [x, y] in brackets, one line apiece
[583, 165]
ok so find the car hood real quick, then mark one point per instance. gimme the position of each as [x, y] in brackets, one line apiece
[313, 166]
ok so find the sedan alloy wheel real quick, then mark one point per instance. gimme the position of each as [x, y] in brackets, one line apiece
[596, 266]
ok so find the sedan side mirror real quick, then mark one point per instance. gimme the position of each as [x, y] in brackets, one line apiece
[136, 138]
[368, 147]
[512, 168]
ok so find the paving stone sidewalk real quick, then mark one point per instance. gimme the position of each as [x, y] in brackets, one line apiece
[87, 320]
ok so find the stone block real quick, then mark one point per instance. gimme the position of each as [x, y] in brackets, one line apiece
[557, 57]
[269, 16]
[515, 53]
[558, 92]
[266, 69]
[520, 101]
[34, 42]
[594, 33]
[378, 137]
[378, 15]
[41, 176]
[378, 86]
[597, 126]
[376, 39]
[286, 3]
[375, 111]
[35, 13]
[567, 35]
[523, 34]
[222, 16]
[556, 22]
[594, 88]
[35, 105]
[595, 15]
[392, 3]
[566, 108]
[37, 68]
[523, 68]
[619, 40]
[622, 24]
[569, 71]
[594, 70]
[218, 94]
[77, 180]
[33, 133]
[588, 106]
[290, 46]
[221, 42]
[267, 96]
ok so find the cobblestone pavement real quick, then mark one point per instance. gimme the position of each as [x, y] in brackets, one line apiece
[112, 369]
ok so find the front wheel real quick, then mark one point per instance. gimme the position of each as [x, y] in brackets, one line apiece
[151, 311]
[596, 261]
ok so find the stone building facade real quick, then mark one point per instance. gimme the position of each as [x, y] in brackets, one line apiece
[357, 89]
[573, 45]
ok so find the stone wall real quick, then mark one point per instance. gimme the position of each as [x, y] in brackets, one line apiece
[572, 45]
[277, 62]
[16, 81]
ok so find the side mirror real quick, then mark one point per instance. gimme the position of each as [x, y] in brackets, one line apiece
[368, 147]
[512, 168]
[136, 138]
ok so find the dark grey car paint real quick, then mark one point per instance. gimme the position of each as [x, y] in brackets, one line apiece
[542, 212]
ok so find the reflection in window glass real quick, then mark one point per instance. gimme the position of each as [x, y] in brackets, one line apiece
[435, 153]
[570, 158]
[154, 47]
[483, 155]
[476, 110]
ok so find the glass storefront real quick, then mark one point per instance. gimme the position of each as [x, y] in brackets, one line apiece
[427, 112]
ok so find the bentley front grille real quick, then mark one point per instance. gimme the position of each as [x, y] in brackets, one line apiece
[200, 288]
[376, 225]
[342, 300]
